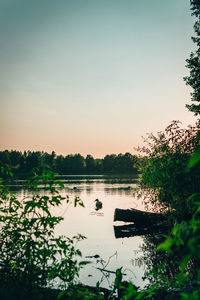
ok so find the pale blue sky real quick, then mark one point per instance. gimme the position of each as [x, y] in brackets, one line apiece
[91, 76]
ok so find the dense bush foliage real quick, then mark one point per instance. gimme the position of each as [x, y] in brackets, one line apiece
[31, 256]
[174, 264]
[166, 177]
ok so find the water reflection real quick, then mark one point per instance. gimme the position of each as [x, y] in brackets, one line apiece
[97, 226]
[158, 264]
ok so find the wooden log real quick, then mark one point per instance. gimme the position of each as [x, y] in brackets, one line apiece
[133, 230]
[138, 217]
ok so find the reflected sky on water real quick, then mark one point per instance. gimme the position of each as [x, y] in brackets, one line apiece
[97, 226]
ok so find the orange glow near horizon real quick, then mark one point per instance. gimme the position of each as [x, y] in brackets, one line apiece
[92, 77]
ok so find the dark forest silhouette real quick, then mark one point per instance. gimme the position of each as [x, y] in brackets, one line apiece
[22, 163]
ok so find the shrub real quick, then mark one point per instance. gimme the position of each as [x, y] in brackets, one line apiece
[31, 256]
[165, 178]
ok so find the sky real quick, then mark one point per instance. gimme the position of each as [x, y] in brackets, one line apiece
[91, 76]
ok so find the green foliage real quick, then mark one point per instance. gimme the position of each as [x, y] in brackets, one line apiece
[22, 164]
[78, 201]
[194, 159]
[166, 177]
[185, 241]
[121, 163]
[171, 178]
[90, 164]
[126, 290]
[75, 292]
[193, 63]
[182, 247]
[30, 254]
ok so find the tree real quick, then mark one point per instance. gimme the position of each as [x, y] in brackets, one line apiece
[90, 163]
[193, 62]
[165, 177]
[5, 158]
[49, 159]
[33, 160]
[109, 163]
[59, 164]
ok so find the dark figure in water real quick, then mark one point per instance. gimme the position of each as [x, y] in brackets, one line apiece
[99, 204]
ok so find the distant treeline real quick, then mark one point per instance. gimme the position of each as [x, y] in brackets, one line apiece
[22, 163]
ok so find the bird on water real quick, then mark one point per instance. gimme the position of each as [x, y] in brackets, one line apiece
[99, 204]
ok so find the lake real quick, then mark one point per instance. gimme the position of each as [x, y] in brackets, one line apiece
[97, 226]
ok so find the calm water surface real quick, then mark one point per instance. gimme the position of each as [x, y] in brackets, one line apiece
[97, 226]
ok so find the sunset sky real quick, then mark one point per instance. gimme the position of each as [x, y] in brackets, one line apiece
[91, 76]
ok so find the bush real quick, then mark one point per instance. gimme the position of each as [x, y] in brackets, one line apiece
[31, 257]
[167, 180]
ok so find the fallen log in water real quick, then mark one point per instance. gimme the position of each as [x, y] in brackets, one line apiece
[133, 230]
[138, 217]
[143, 222]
